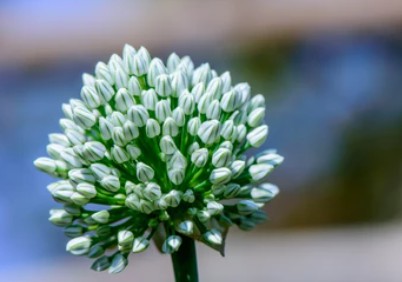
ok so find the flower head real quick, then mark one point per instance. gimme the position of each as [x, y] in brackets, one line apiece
[157, 147]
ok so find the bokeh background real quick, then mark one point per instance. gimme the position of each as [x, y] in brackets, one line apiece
[332, 75]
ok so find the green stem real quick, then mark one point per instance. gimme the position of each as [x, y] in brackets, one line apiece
[185, 262]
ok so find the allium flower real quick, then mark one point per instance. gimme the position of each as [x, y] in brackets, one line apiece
[157, 150]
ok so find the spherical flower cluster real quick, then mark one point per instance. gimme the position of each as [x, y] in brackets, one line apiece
[157, 150]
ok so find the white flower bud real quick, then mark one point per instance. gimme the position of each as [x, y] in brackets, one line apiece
[179, 83]
[77, 103]
[125, 238]
[152, 128]
[209, 131]
[119, 263]
[167, 145]
[105, 128]
[152, 191]
[176, 176]
[213, 111]
[119, 154]
[256, 102]
[220, 176]
[101, 216]
[193, 147]
[139, 65]
[230, 101]
[146, 206]
[256, 117]
[204, 216]
[115, 62]
[202, 74]
[117, 118]
[130, 131]
[149, 99]
[75, 137]
[70, 157]
[177, 161]
[257, 136]
[144, 172]
[133, 202]
[121, 77]
[231, 190]
[172, 198]
[133, 151]
[123, 100]
[226, 82]
[79, 199]
[118, 137]
[228, 130]
[138, 114]
[259, 171]
[186, 66]
[88, 79]
[79, 246]
[187, 103]
[170, 127]
[204, 103]
[227, 144]
[198, 91]
[221, 157]
[60, 139]
[156, 68]
[101, 264]
[185, 227]
[83, 117]
[134, 86]
[213, 237]
[140, 244]
[171, 244]
[179, 117]
[69, 124]
[200, 157]
[128, 56]
[237, 167]
[90, 97]
[270, 157]
[46, 165]
[241, 132]
[214, 87]
[214, 208]
[102, 72]
[104, 90]
[100, 170]
[87, 189]
[172, 62]
[54, 150]
[188, 196]
[244, 91]
[246, 207]
[111, 183]
[67, 110]
[60, 217]
[94, 150]
[193, 125]
[162, 110]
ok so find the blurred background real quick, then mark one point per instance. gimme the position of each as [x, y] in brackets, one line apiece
[332, 75]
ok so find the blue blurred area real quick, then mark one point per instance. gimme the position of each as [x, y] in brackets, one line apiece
[325, 87]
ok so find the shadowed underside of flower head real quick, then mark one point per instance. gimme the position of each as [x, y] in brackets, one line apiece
[159, 149]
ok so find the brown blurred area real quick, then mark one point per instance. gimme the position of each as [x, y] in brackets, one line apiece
[332, 75]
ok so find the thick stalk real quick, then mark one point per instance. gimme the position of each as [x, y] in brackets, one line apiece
[185, 261]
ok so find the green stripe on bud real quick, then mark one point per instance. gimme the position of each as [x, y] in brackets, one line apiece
[221, 157]
[119, 263]
[246, 207]
[152, 128]
[138, 114]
